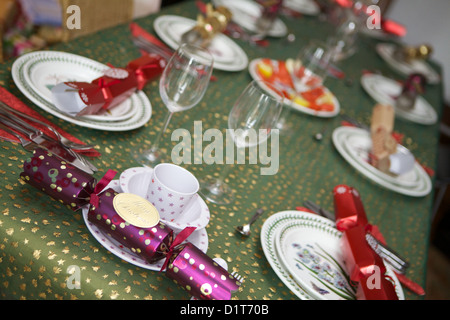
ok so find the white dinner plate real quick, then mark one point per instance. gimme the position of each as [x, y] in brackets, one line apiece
[386, 52]
[271, 230]
[33, 74]
[136, 180]
[421, 189]
[43, 74]
[307, 7]
[385, 90]
[227, 54]
[245, 13]
[199, 238]
[322, 114]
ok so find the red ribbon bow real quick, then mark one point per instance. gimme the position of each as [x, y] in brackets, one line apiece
[107, 178]
[106, 91]
[183, 235]
[141, 75]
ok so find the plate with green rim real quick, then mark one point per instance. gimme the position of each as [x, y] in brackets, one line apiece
[269, 232]
[421, 189]
[282, 223]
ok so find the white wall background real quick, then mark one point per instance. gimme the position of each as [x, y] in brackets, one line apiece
[427, 22]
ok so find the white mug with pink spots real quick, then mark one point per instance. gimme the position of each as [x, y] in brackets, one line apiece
[172, 189]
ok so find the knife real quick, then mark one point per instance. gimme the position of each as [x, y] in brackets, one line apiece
[355, 122]
[27, 145]
[393, 258]
[317, 209]
[38, 139]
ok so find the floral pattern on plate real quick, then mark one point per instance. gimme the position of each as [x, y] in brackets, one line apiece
[311, 252]
[329, 274]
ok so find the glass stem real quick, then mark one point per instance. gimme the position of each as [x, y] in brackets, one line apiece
[224, 173]
[155, 145]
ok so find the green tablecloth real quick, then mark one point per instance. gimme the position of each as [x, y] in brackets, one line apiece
[40, 237]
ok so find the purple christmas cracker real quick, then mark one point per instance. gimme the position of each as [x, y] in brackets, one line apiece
[152, 243]
[199, 275]
[187, 265]
[58, 178]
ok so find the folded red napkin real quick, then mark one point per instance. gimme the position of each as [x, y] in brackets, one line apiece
[17, 104]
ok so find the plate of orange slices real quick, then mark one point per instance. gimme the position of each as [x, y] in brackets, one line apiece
[319, 102]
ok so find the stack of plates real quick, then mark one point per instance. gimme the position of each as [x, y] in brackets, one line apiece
[386, 52]
[385, 91]
[354, 145]
[304, 251]
[199, 237]
[36, 73]
[246, 13]
[228, 56]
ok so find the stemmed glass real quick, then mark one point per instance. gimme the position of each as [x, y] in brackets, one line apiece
[182, 85]
[344, 41]
[266, 20]
[250, 123]
[311, 66]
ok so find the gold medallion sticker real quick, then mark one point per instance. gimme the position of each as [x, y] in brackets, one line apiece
[136, 210]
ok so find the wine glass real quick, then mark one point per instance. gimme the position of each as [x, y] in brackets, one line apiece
[182, 85]
[255, 111]
[344, 42]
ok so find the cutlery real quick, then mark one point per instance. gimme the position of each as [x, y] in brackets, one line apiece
[390, 256]
[355, 122]
[30, 146]
[150, 47]
[66, 142]
[245, 229]
[32, 132]
[38, 139]
[27, 145]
